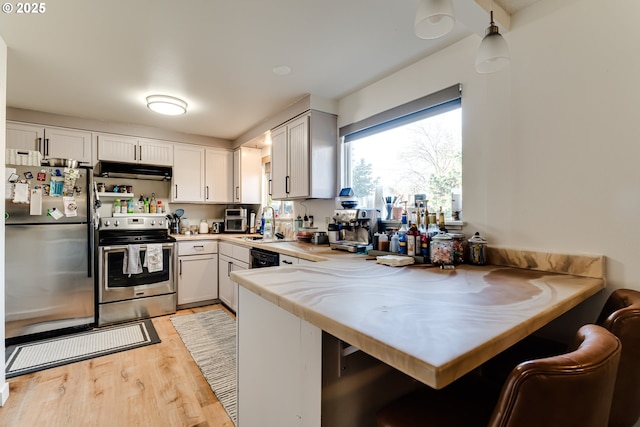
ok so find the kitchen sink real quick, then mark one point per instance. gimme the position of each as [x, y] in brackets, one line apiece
[261, 239]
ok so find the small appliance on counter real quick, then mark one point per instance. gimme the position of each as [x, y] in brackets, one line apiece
[235, 220]
[355, 229]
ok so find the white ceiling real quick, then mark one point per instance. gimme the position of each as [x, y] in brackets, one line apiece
[100, 59]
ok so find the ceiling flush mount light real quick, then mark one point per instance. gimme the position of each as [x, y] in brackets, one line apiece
[168, 105]
[493, 53]
[434, 18]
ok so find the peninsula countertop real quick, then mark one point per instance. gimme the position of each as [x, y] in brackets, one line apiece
[435, 325]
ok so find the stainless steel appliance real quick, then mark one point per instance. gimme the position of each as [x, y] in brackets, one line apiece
[235, 220]
[261, 258]
[122, 296]
[356, 228]
[49, 284]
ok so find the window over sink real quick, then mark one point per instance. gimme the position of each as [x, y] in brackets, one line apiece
[415, 148]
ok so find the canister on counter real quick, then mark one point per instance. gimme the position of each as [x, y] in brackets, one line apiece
[459, 247]
[477, 250]
[441, 249]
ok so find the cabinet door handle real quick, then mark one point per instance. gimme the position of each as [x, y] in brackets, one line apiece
[237, 191]
[229, 264]
[176, 191]
[206, 192]
[286, 184]
[135, 152]
[140, 153]
[270, 192]
[40, 148]
[284, 261]
[180, 269]
[46, 146]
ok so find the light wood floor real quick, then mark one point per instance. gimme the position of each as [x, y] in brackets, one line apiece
[154, 386]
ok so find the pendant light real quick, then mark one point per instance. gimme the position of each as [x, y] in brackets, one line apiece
[493, 53]
[165, 104]
[434, 18]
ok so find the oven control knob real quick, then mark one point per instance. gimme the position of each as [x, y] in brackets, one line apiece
[107, 223]
[116, 223]
[162, 222]
[153, 222]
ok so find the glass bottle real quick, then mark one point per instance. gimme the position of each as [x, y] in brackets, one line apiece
[153, 206]
[116, 206]
[394, 244]
[402, 235]
[413, 240]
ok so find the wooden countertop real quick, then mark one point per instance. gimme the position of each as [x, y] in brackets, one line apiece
[435, 325]
[303, 250]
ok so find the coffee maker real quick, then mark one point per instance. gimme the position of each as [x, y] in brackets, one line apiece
[356, 228]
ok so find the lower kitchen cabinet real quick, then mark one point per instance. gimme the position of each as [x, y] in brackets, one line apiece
[232, 257]
[197, 273]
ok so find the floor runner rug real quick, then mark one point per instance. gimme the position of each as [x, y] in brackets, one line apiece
[51, 352]
[210, 337]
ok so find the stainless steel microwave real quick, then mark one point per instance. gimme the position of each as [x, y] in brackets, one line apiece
[235, 220]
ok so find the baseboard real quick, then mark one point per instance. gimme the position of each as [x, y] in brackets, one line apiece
[4, 394]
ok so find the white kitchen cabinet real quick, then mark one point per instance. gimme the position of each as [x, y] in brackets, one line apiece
[129, 149]
[197, 272]
[289, 391]
[218, 176]
[52, 142]
[303, 157]
[231, 257]
[188, 181]
[247, 175]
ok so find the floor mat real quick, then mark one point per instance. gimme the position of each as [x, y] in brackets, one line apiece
[38, 355]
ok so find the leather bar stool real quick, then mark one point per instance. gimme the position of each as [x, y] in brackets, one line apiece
[574, 389]
[621, 316]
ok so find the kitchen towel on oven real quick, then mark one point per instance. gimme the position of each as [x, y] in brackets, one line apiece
[132, 264]
[153, 259]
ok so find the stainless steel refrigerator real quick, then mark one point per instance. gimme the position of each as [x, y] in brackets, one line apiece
[49, 284]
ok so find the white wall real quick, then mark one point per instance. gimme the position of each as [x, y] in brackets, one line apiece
[4, 386]
[551, 145]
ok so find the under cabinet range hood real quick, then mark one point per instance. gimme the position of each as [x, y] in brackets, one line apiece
[132, 171]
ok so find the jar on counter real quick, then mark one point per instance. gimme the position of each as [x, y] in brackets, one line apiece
[116, 206]
[477, 250]
[459, 247]
[101, 187]
[204, 227]
[441, 249]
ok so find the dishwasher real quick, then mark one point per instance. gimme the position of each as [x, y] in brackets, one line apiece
[261, 258]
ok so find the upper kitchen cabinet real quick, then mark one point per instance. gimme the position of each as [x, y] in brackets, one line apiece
[129, 149]
[247, 175]
[303, 157]
[188, 181]
[52, 142]
[218, 176]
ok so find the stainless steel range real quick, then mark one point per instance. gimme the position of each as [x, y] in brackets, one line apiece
[135, 261]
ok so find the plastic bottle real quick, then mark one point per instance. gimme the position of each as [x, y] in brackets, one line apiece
[116, 206]
[383, 242]
[130, 204]
[159, 208]
[394, 244]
